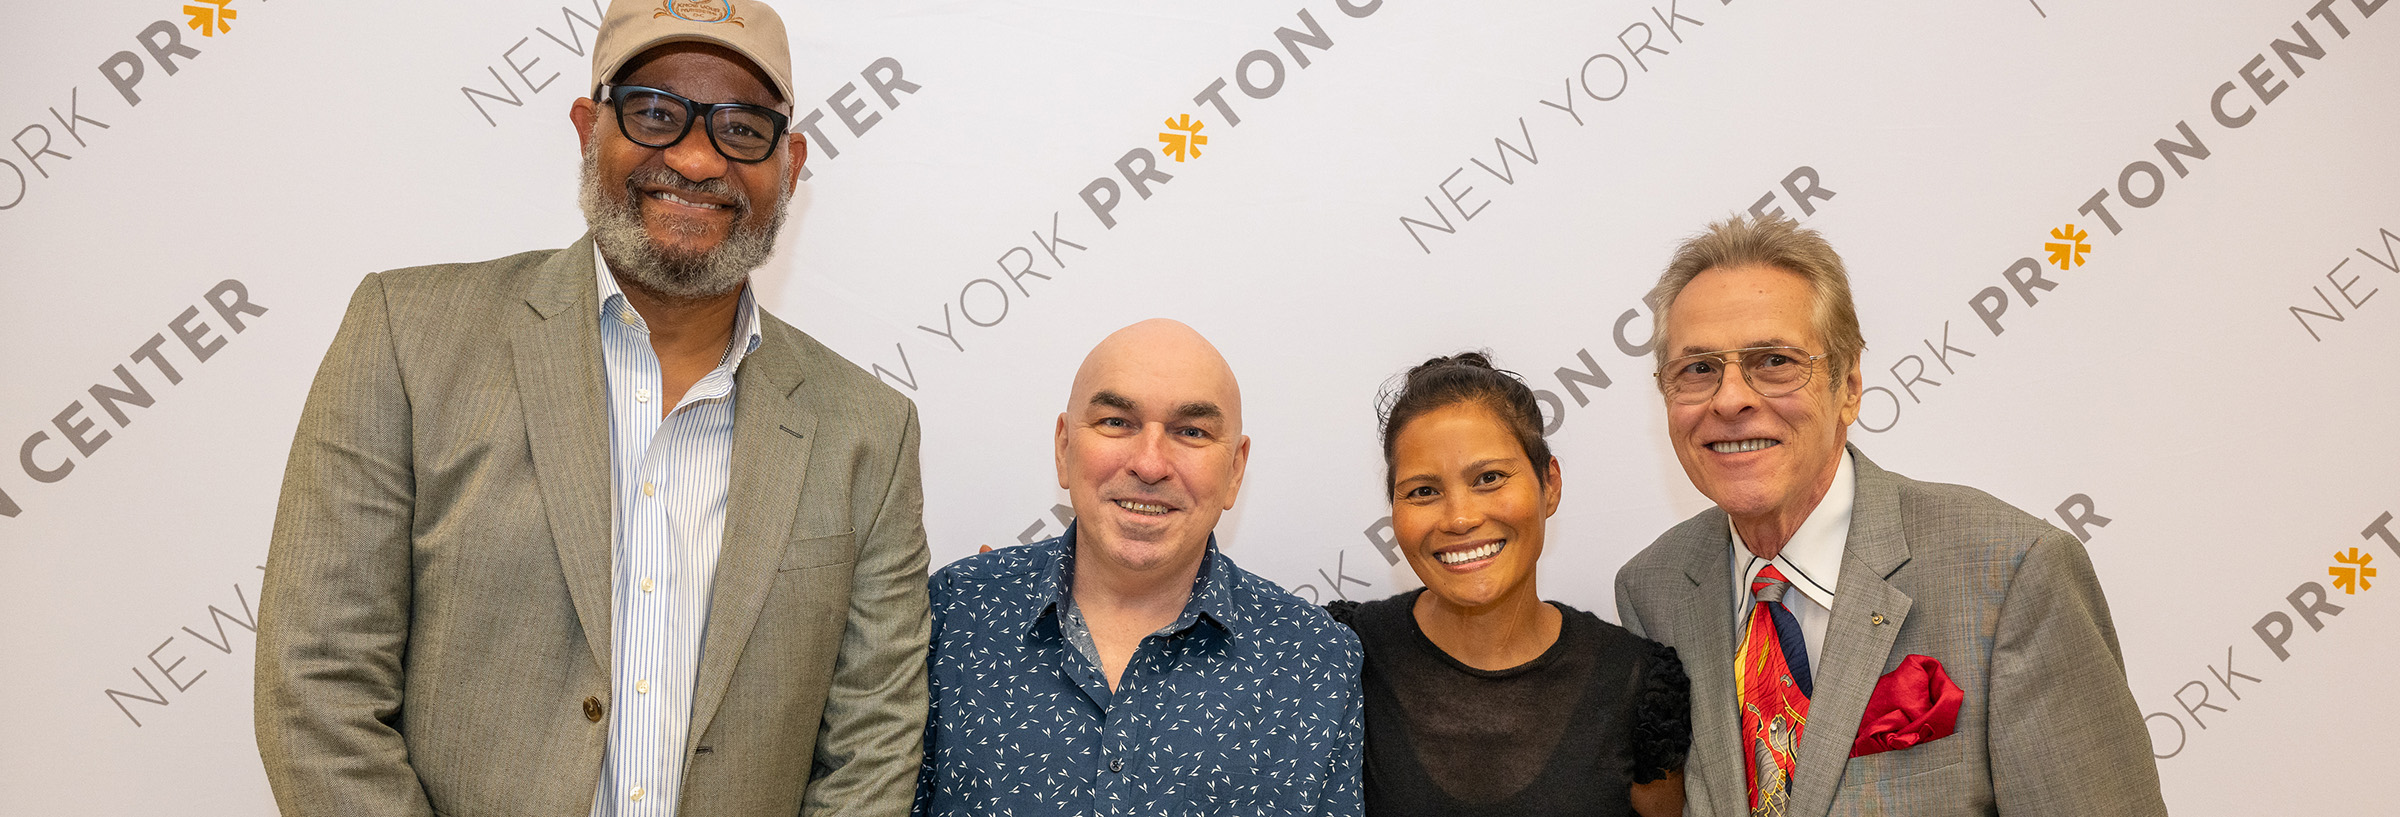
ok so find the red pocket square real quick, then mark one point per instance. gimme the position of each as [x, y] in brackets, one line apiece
[1914, 704]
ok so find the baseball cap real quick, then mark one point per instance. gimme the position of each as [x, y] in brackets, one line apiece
[748, 27]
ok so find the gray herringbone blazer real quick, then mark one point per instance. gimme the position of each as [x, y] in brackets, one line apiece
[436, 608]
[2008, 605]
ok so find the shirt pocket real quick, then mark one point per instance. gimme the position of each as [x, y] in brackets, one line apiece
[1237, 793]
[819, 551]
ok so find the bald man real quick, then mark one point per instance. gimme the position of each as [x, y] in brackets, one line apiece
[1127, 666]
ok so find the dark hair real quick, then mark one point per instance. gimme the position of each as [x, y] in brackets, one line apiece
[1466, 377]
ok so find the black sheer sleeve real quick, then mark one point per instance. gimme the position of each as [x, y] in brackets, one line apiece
[1662, 727]
[1345, 610]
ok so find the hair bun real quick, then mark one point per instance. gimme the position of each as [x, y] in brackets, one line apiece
[1466, 377]
[1472, 360]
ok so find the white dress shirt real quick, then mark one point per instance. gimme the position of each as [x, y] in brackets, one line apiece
[1812, 561]
[669, 480]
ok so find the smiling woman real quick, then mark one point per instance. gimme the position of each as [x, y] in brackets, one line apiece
[1480, 697]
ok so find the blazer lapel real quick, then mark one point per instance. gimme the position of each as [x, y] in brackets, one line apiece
[1856, 646]
[1705, 630]
[771, 440]
[566, 422]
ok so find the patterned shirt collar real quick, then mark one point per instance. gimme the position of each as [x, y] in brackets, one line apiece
[1210, 601]
[613, 306]
[1255, 712]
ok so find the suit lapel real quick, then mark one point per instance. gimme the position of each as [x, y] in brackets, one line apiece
[1856, 647]
[1704, 628]
[771, 440]
[566, 423]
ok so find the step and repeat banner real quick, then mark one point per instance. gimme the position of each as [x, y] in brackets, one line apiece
[2133, 266]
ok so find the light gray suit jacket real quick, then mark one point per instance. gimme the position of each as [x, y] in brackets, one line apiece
[437, 602]
[2008, 604]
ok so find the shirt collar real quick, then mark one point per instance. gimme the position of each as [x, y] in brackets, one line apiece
[1813, 559]
[613, 307]
[1210, 601]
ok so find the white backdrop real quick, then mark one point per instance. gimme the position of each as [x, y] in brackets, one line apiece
[2207, 396]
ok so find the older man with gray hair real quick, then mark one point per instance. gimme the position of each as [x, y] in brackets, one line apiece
[1858, 642]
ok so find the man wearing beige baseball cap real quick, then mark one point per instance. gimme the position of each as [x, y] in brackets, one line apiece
[586, 531]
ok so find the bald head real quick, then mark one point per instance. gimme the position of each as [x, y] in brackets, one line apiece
[1150, 449]
[1165, 351]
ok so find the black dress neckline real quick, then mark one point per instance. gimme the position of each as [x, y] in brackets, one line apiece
[1565, 734]
[1550, 654]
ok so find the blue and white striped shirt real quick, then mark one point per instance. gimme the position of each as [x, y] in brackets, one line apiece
[669, 479]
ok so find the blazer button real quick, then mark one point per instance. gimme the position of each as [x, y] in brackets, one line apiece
[591, 709]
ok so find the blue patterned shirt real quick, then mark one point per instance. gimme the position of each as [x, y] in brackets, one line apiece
[1247, 704]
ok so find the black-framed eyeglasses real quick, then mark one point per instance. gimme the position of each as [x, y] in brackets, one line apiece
[1771, 371]
[740, 131]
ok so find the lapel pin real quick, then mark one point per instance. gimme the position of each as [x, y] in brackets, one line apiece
[1876, 618]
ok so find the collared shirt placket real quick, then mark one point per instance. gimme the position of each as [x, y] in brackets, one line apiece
[643, 580]
[668, 507]
[1127, 780]
[1026, 723]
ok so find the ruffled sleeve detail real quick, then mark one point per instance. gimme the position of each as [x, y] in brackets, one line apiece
[1662, 725]
[1344, 611]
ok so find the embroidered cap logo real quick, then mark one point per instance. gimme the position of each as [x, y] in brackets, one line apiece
[699, 11]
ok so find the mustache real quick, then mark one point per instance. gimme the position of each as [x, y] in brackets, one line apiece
[653, 176]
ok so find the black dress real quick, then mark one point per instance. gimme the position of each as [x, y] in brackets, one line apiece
[1564, 734]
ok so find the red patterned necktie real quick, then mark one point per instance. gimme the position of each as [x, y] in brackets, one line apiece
[1772, 674]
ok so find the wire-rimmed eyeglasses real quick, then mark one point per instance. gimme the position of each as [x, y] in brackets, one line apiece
[1771, 371]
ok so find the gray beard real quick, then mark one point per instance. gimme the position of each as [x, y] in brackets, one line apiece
[617, 230]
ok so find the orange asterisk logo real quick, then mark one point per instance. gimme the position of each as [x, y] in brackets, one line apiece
[211, 16]
[1183, 136]
[2350, 571]
[2067, 252]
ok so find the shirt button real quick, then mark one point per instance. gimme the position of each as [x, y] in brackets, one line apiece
[646, 584]
[626, 316]
[642, 686]
[1116, 764]
[636, 794]
[641, 395]
[649, 489]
